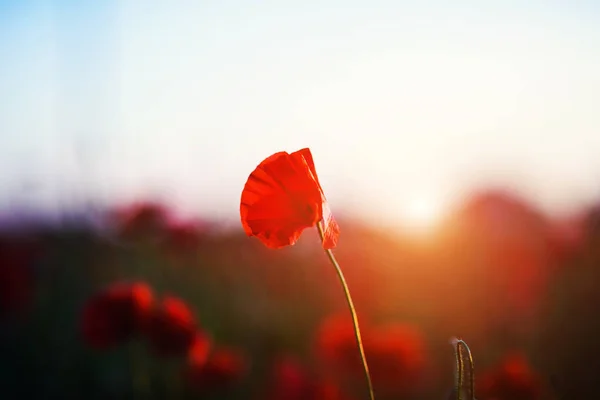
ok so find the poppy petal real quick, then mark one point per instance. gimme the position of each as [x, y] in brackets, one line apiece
[279, 200]
[331, 229]
[259, 184]
[275, 221]
[306, 155]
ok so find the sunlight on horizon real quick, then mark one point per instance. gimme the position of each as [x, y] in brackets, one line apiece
[423, 214]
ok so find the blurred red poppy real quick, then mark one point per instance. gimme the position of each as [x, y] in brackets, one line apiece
[291, 382]
[282, 197]
[115, 314]
[223, 369]
[513, 379]
[16, 274]
[336, 345]
[199, 350]
[288, 381]
[395, 353]
[171, 328]
[566, 237]
[144, 220]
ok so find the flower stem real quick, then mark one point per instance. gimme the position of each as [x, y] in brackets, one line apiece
[352, 311]
[460, 347]
[461, 372]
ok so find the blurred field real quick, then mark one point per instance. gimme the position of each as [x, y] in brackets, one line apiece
[519, 286]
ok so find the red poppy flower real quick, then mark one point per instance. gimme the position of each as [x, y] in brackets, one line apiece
[288, 381]
[199, 350]
[115, 314]
[513, 379]
[566, 237]
[282, 197]
[291, 382]
[146, 221]
[223, 369]
[395, 353]
[336, 345]
[16, 274]
[172, 328]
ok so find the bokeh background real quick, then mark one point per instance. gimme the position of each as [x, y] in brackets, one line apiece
[457, 143]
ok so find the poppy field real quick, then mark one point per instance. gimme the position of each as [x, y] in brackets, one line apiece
[148, 305]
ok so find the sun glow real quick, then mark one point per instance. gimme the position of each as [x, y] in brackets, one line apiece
[422, 214]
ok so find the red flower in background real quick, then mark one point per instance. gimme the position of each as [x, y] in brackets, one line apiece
[291, 382]
[513, 379]
[566, 237]
[282, 197]
[223, 369]
[336, 345]
[171, 328]
[142, 220]
[199, 350]
[115, 314]
[395, 353]
[16, 274]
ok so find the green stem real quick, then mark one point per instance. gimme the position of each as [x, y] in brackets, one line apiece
[352, 311]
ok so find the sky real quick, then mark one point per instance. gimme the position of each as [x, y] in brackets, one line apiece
[406, 107]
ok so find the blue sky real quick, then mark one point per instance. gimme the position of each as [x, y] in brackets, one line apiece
[406, 107]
